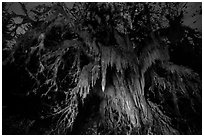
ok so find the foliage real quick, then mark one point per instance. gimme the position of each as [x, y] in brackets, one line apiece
[118, 52]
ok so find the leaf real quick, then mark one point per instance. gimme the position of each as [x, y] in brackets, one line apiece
[150, 55]
[84, 81]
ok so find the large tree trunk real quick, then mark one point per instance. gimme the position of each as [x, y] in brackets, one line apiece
[125, 110]
[124, 102]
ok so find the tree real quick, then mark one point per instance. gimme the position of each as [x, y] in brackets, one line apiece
[105, 68]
